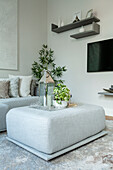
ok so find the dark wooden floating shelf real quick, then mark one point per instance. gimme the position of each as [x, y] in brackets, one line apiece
[84, 34]
[106, 93]
[71, 26]
[95, 30]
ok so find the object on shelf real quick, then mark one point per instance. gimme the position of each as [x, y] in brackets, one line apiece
[89, 13]
[95, 30]
[82, 29]
[59, 23]
[71, 26]
[77, 17]
[108, 90]
[62, 23]
[111, 89]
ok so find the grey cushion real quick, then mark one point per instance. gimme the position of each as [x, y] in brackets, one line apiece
[24, 85]
[50, 132]
[14, 87]
[4, 89]
[33, 85]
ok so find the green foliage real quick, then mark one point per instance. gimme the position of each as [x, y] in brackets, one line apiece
[61, 93]
[46, 61]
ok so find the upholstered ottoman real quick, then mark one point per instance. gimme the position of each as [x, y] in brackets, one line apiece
[49, 134]
[3, 110]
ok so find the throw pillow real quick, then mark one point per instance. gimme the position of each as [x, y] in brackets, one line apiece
[24, 87]
[4, 89]
[33, 85]
[14, 87]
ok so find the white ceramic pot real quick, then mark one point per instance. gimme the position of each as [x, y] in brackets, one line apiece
[81, 29]
[62, 105]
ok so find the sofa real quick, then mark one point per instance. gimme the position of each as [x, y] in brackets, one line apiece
[13, 102]
[7, 104]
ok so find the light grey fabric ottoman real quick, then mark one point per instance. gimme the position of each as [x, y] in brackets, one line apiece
[51, 133]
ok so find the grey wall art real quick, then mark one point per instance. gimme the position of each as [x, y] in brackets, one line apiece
[8, 34]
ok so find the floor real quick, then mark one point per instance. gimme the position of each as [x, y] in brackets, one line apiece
[97, 155]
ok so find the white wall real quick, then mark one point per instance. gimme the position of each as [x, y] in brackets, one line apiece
[73, 53]
[32, 33]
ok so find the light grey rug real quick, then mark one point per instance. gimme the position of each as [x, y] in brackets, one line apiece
[97, 155]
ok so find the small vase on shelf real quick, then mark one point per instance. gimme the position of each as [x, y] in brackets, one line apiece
[81, 29]
[59, 23]
[62, 23]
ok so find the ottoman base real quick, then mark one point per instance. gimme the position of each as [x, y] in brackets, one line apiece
[48, 157]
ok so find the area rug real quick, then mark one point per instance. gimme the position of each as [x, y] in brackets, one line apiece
[97, 155]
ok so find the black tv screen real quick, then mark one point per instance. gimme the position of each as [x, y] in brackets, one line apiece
[100, 56]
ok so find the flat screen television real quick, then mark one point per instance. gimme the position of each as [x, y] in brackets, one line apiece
[100, 56]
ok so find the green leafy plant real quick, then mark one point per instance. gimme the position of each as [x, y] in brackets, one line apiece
[61, 93]
[46, 62]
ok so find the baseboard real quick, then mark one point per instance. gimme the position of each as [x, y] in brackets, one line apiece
[109, 117]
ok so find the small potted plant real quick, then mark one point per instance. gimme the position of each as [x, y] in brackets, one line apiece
[61, 95]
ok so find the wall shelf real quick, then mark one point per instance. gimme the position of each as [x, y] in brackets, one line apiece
[71, 26]
[106, 93]
[94, 31]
